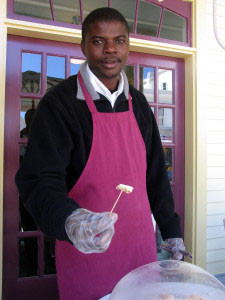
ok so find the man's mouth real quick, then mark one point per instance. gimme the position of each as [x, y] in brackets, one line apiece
[110, 62]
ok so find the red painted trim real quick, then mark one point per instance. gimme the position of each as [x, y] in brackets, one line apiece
[67, 71]
[29, 234]
[41, 263]
[81, 12]
[160, 22]
[31, 95]
[52, 9]
[136, 17]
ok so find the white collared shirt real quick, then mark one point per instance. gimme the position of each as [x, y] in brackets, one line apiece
[102, 89]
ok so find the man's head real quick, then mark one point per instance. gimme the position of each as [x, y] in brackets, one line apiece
[104, 14]
[105, 44]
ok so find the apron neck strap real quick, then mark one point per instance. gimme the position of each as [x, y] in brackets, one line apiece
[89, 100]
[87, 96]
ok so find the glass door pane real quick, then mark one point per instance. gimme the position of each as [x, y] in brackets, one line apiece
[31, 73]
[56, 70]
[165, 86]
[37, 9]
[127, 8]
[129, 70]
[147, 82]
[89, 5]
[174, 27]
[148, 18]
[67, 11]
[166, 124]
[75, 65]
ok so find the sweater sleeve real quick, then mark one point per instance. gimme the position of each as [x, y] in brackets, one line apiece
[158, 187]
[41, 178]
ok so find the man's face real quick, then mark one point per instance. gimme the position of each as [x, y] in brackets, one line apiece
[106, 47]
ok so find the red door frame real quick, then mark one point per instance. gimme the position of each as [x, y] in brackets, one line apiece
[45, 287]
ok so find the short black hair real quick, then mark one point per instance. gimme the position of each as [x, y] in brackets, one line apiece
[103, 14]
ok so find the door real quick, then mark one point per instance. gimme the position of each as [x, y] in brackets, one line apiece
[34, 66]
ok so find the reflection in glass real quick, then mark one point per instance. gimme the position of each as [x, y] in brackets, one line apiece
[27, 110]
[75, 65]
[146, 81]
[49, 256]
[55, 70]
[127, 8]
[67, 11]
[148, 18]
[174, 27]
[129, 70]
[165, 86]
[168, 155]
[31, 73]
[89, 5]
[37, 9]
[28, 257]
[166, 124]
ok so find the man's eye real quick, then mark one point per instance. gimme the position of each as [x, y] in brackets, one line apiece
[120, 41]
[97, 42]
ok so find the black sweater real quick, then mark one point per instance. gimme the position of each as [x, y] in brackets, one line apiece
[58, 147]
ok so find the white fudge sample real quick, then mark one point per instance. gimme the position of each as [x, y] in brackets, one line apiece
[125, 188]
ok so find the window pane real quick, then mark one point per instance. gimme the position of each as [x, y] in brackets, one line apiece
[49, 255]
[166, 124]
[173, 27]
[146, 81]
[75, 65]
[148, 18]
[27, 111]
[165, 86]
[129, 70]
[67, 11]
[168, 154]
[55, 70]
[26, 221]
[31, 73]
[28, 257]
[89, 5]
[127, 8]
[37, 9]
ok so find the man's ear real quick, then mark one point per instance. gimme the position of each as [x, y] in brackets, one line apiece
[82, 45]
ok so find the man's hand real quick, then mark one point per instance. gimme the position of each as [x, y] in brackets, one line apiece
[90, 232]
[176, 247]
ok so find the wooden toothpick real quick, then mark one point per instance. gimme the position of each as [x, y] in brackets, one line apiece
[116, 201]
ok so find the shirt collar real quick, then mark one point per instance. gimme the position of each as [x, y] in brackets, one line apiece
[102, 89]
[91, 89]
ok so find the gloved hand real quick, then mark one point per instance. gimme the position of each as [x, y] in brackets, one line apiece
[176, 247]
[90, 232]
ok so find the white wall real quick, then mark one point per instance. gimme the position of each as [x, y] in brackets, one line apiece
[215, 86]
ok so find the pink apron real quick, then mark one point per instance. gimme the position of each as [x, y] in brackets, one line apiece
[118, 155]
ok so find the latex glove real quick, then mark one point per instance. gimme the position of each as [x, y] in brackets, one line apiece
[90, 232]
[176, 247]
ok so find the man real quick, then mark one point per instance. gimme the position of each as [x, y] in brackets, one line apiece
[91, 133]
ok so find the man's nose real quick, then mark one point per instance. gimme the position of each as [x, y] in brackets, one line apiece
[110, 47]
